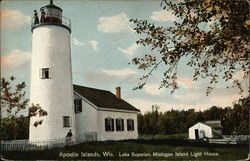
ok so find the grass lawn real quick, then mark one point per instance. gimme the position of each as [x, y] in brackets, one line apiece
[173, 136]
[137, 151]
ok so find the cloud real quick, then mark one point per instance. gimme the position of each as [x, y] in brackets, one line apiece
[153, 89]
[240, 76]
[225, 97]
[223, 101]
[15, 59]
[163, 16]
[131, 29]
[77, 42]
[130, 50]
[188, 97]
[93, 43]
[197, 100]
[97, 77]
[113, 24]
[188, 83]
[146, 105]
[119, 72]
[12, 19]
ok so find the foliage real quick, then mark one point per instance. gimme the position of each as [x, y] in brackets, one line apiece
[169, 122]
[13, 104]
[235, 121]
[212, 35]
[15, 128]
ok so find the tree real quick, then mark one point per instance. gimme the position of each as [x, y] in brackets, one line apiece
[236, 120]
[213, 35]
[15, 128]
[13, 105]
[213, 113]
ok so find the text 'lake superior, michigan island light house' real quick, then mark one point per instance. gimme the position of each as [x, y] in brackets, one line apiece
[51, 74]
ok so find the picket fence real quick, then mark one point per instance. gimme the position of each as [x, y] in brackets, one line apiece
[26, 145]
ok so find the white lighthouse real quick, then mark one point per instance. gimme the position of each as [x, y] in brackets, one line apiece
[51, 76]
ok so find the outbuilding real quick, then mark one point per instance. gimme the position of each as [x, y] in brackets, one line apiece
[208, 129]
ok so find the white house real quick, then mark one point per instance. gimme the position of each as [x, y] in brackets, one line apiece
[91, 114]
[101, 115]
[208, 129]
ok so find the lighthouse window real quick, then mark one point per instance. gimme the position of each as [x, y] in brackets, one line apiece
[66, 121]
[53, 12]
[78, 105]
[44, 73]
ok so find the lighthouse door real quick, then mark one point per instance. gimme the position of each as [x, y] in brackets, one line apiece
[196, 132]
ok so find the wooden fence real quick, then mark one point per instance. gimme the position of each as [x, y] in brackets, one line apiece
[231, 139]
[26, 145]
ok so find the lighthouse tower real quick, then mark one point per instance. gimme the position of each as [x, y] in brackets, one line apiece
[51, 74]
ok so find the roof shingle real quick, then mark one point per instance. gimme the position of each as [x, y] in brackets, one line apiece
[213, 124]
[103, 99]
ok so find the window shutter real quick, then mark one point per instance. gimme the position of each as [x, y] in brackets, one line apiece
[127, 125]
[63, 121]
[112, 128]
[132, 121]
[122, 125]
[75, 105]
[106, 124]
[116, 124]
[80, 104]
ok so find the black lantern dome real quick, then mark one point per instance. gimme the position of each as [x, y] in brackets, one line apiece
[50, 15]
[51, 5]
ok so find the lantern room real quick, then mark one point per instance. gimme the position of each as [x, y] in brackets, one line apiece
[52, 12]
[50, 15]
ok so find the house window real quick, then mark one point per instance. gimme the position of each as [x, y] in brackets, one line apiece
[119, 124]
[130, 124]
[78, 105]
[66, 121]
[109, 124]
[44, 73]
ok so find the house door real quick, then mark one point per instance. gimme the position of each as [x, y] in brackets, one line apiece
[196, 132]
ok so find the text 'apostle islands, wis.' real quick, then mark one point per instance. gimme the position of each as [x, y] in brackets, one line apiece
[136, 154]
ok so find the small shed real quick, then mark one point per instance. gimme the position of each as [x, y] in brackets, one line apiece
[208, 129]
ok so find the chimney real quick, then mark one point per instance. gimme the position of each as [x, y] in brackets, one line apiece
[118, 92]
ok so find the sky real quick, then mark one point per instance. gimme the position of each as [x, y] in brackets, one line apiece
[102, 45]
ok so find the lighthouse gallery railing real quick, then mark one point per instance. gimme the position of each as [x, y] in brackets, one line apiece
[64, 21]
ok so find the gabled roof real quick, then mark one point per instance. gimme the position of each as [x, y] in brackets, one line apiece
[213, 124]
[103, 98]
